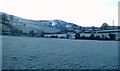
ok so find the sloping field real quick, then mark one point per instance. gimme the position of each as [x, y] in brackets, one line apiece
[50, 53]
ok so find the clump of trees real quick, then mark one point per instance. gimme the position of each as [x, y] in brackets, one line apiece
[77, 36]
[16, 32]
[104, 26]
[92, 37]
[112, 36]
[97, 37]
[31, 33]
[38, 34]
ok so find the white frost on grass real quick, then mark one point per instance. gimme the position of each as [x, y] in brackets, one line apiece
[50, 53]
[0, 52]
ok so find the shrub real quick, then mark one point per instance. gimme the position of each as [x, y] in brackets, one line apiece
[103, 37]
[112, 36]
[31, 33]
[68, 36]
[42, 34]
[107, 38]
[83, 37]
[118, 39]
[52, 36]
[98, 37]
[77, 36]
[91, 37]
[62, 37]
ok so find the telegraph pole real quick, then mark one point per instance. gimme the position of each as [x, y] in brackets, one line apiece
[113, 24]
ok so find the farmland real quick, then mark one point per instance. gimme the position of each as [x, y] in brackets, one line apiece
[52, 53]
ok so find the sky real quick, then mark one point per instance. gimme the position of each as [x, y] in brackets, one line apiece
[80, 12]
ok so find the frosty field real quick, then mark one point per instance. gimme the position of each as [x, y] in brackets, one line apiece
[51, 53]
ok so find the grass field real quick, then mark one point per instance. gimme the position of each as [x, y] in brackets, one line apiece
[51, 53]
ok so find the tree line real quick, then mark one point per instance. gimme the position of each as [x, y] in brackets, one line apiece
[97, 37]
[17, 32]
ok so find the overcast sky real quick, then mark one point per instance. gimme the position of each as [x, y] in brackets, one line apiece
[81, 12]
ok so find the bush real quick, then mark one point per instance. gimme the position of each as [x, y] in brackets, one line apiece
[91, 37]
[118, 39]
[77, 36]
[31, 33]
[103, 37]
[52, 36]
[112, 36]
[62, 37]
[42, 34]
[98, 37]
[83, 37]
[68, 36]
[107, 38]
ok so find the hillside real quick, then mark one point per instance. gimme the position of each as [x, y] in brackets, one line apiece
[47, 26]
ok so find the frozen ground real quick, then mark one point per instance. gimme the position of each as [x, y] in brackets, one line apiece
[0, 52]
[50, 53]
